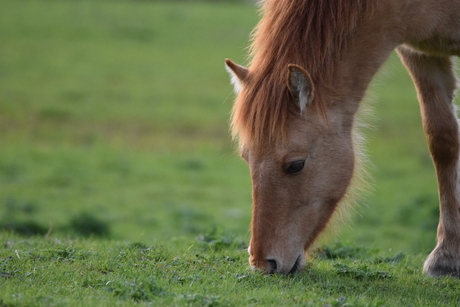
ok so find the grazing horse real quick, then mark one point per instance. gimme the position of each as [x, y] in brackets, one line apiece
[311, 62]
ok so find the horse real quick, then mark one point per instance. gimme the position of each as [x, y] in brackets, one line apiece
[294, 115]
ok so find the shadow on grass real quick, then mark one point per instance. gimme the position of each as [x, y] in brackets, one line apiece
[20, 218]
[86, 224]
[355, 284]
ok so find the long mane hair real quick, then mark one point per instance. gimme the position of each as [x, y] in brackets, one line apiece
[309, 33]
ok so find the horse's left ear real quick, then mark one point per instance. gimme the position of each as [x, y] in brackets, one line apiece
[238, 74]
[301, 86]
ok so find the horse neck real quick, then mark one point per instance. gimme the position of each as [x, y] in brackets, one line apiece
[370, 46]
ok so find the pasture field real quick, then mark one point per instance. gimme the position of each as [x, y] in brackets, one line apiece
[120, 186]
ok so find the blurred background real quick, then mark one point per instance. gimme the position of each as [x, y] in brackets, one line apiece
[114, 123]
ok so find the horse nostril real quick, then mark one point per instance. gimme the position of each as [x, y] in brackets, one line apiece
[272, 266]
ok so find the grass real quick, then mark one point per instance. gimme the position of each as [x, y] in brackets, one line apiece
[119, 184]
[81, 272]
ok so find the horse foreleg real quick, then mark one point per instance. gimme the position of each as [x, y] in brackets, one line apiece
[435, 82]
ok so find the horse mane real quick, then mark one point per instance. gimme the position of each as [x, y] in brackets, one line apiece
[309, 33]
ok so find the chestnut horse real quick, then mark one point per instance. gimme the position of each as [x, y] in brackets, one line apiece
[294, 116]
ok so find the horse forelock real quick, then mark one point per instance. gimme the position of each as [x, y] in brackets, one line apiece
[257, 115]
[309, 33]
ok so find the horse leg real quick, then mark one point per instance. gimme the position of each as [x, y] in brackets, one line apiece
[435, 82]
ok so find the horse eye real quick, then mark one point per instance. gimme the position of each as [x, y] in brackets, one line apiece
[295, 167]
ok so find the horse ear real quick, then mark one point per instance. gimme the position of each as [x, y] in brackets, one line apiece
[301, 86]
[237, 73]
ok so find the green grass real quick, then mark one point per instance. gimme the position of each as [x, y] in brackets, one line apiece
[119, 184]
[59, 272]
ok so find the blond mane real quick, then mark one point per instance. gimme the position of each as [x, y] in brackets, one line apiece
[309, 33]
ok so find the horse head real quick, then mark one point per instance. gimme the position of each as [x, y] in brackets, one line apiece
[300, 167]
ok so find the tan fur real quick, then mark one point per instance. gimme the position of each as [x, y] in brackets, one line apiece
[336, 47]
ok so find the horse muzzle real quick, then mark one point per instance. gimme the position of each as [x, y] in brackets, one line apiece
[276, 265]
